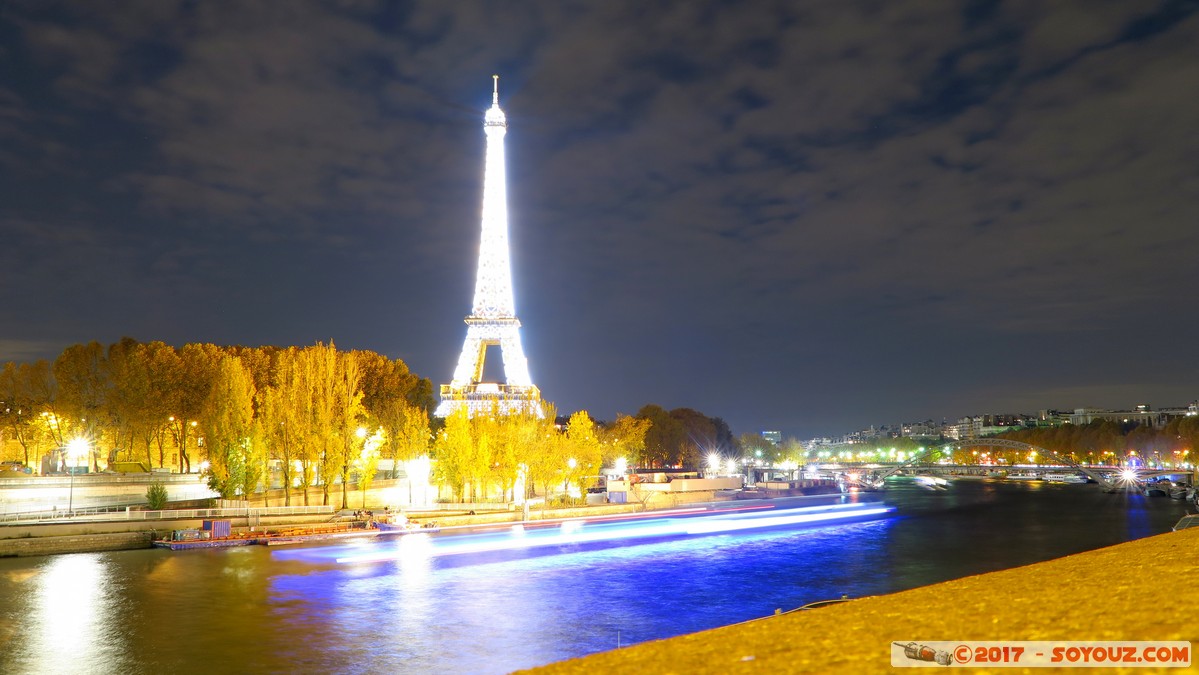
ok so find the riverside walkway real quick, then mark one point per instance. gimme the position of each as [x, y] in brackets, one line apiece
[1140, 590]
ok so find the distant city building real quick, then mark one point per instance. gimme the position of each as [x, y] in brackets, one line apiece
[978, 426]
[775, 437]
[1143, 414]
[1052, 418]
[925, 429]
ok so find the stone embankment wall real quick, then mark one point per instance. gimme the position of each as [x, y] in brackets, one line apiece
[81, 543]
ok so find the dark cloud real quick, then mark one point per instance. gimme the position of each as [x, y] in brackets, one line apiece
[807, 217]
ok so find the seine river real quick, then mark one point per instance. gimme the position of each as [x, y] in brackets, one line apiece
[259, 610]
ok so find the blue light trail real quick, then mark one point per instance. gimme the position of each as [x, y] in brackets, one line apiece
[583, 531]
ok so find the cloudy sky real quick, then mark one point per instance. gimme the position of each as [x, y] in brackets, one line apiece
[807, 216]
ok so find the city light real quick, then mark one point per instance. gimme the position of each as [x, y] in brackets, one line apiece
[77, 448]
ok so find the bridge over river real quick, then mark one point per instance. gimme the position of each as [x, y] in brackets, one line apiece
[933, 460]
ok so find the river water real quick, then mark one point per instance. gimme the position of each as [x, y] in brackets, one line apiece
[259, 609]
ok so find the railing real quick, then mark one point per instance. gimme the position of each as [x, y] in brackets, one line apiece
[107, 514]
[84, 479]
[487, 391]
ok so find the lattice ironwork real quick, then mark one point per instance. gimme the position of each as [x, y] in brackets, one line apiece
[492, 320]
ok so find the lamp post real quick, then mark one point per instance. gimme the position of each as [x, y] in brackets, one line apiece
[75, 449]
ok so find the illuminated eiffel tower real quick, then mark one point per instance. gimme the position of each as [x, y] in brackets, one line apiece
[492, 319]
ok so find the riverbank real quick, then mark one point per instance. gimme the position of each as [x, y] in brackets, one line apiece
[1139, 590]
[87, 536]
[91, 535]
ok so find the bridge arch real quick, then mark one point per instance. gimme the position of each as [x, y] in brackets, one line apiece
[922, 457]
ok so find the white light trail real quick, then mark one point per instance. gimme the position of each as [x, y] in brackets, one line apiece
[578, 532]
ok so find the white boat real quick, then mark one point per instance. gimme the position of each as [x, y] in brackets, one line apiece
[1063, 477]
[1156, 489]
[1024, 475]
[932, 482]
[401, 525]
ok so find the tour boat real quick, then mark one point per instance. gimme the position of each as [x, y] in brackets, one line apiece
[1156, 489]
[402, 525]
[1064, 478]
[932, 482]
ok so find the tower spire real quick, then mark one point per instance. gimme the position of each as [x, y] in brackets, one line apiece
[492, 320]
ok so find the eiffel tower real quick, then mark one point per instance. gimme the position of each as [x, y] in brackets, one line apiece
[492, 319]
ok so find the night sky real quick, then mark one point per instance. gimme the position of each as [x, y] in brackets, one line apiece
[806, 216]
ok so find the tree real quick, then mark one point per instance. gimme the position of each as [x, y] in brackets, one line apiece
[321, 369]
[506, 453]
[193, 384]
[583, 450]
[699, 438]
[368, 463]
[625, 438]
[25, 395]
[452, 450]
[387, 397]
[284, 412]
[227, 423]
[413, 438]
[478, 465]
[83, 389]
[543, 456]
[156, 496]
[754, 446]
[163, 368]
[129, 396]
[348, 418]
[663, 438]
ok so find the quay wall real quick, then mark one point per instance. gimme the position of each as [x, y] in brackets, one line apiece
[1138, 590]
[80, 543]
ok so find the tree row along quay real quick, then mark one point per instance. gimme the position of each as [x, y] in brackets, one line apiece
[317, 416]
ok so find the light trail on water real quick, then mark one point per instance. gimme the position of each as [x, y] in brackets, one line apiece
[577, 532]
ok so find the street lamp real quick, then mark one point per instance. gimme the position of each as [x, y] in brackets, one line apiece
[76, 449]
[571, 464]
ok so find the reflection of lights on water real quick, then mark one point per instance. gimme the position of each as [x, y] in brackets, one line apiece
[66, 613]
[574, 533]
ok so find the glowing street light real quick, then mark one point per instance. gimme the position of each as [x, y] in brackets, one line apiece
[570, 464]
[76, 449]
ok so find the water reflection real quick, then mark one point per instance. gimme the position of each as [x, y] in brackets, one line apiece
[256, 609]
